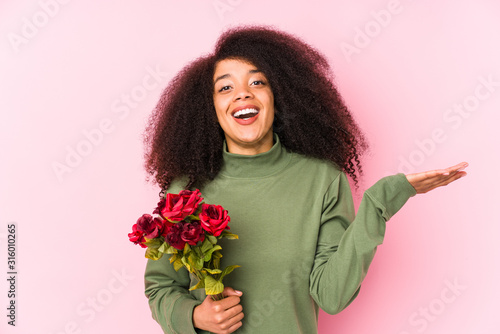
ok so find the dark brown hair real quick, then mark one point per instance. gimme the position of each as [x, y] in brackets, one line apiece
[184, 139]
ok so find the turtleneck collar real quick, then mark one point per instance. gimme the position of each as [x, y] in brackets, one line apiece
[255, 166]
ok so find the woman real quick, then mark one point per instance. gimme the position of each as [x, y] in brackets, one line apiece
[259, 127]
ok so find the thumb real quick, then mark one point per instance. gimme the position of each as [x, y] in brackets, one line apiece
[228, 291]
[208, 299]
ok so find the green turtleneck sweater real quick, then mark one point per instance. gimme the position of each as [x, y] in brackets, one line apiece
[300, 246]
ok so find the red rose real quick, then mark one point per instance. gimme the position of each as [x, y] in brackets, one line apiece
[160, 205]
[174, 237]
[147, 227]
[192, 233]
[137, 237]
[214, 219]
[178, 207]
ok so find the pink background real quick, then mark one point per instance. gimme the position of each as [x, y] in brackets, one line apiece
[74, 70]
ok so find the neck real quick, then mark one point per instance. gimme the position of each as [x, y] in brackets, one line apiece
[250, 148]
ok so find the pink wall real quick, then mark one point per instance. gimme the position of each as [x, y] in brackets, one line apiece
[422, 78]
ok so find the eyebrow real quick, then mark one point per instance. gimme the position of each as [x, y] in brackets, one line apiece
[227, 75]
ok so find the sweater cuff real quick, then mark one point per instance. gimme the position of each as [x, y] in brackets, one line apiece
[391, 193]
[182, 315]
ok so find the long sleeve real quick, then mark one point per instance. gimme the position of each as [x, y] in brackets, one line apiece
[167, 290]
[347, 244]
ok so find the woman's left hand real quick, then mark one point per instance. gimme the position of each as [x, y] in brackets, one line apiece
[426, 181]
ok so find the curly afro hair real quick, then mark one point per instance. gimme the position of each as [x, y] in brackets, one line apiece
[184, 139]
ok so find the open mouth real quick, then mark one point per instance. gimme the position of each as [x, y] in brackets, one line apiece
[246, 113]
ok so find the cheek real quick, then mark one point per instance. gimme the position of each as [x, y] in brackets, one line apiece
[221, 118]
[221, 104]
[270, 105]
[269, 98]
[218, 109]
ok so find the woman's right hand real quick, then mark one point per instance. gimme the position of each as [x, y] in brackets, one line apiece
[222, 316]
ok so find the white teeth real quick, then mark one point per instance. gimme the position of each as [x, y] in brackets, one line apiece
[245, 111]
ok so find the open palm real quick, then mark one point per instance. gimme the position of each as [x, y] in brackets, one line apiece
[426, 181]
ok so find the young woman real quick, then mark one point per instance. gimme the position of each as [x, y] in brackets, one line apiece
[259, 127]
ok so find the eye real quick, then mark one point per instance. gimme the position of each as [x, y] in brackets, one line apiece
[224, 88]
[258, 82]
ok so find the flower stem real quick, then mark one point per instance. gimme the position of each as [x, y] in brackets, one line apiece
[217, 297]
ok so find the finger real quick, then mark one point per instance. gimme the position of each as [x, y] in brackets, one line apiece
[444, 179]
[228, 291]
[235, 327]
[456, 168]
[428, 176]
[228, 302]
[425, 179]
[453, 177]
[208, 299]
[235, 322]
[233, 311]
[232, 322]
[435, 176]
[438, 172]
[440, 183]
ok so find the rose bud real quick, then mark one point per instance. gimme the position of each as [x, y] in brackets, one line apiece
[214, 219]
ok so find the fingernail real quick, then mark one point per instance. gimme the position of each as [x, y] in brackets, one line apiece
[238, 292]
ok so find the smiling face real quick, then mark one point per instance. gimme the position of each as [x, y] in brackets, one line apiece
[244, 103]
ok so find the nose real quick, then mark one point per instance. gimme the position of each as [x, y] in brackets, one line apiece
[242, 93]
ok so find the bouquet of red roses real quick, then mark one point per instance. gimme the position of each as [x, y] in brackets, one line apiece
[188, 229]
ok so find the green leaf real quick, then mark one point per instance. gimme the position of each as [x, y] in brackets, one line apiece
[170, 220]
[186, 264]
[199, 285]
[212, 239]
[153, 254]
[208, 255]
[227, 271]
[177, 264]
[206, 246]
[170, 249]
[167, 249]
[173, 258]
[213, 271]
[195, 261]
[229, 235]
[187, 249]
[153, 243]
[212, 286]
[216, 259]
[193, 217]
